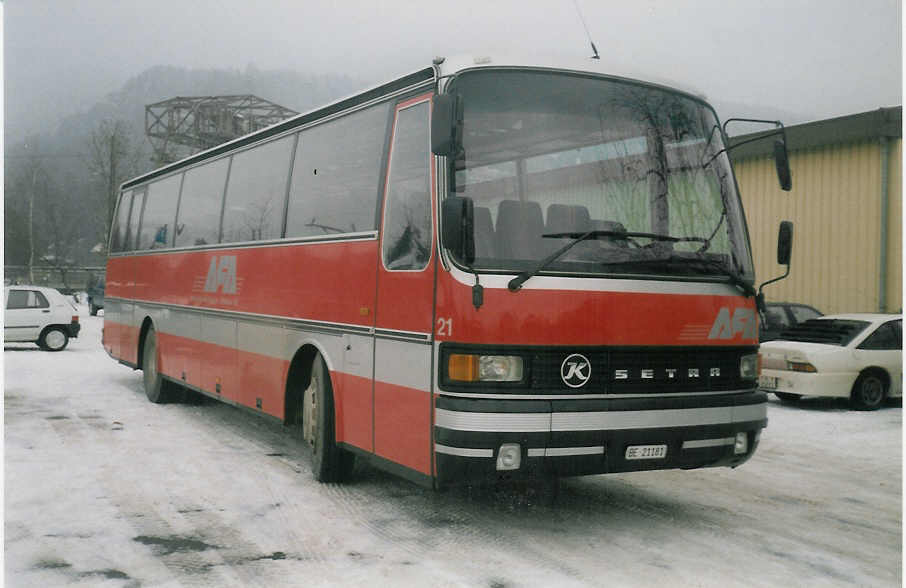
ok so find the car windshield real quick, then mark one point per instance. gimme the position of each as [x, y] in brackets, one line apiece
[632, 169]
[830, 331]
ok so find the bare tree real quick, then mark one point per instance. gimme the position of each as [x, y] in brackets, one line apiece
[112, 159]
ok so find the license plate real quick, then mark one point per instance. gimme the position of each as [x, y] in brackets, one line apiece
[646, 451]
[767, 382]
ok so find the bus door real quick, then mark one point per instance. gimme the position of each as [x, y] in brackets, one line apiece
[405, 299]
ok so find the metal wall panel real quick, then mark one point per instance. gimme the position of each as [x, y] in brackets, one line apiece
[836, 207]
[895, 228]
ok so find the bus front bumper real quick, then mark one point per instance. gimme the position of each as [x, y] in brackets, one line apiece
[480, 439]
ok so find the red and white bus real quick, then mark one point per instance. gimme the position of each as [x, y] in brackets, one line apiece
[477, 270]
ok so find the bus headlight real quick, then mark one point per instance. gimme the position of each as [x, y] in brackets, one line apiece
[484, 368]
[748, 367]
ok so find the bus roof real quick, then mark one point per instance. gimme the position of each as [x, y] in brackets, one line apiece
[413, 79]
[451, 65]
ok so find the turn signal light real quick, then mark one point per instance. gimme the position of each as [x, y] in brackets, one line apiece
[484, 368]
[801, 366]
[463, 368]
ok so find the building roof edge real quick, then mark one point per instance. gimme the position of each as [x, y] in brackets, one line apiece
[882, 122]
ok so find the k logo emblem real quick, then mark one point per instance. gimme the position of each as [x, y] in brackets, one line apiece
[575, 370]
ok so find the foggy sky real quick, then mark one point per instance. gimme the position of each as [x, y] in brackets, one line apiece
[806, 59]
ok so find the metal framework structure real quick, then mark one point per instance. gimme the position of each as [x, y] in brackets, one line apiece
[196, 123]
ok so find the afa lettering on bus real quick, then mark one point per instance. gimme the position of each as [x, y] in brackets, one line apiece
[727, 327]
[221, 275]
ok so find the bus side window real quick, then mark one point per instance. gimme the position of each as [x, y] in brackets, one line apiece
[407, 212]
[336, 175]
[160, 209]
[138, 203]
[256, 192]
[118, 236]
[199, 208]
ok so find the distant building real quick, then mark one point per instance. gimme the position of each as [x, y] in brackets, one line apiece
[846, 205]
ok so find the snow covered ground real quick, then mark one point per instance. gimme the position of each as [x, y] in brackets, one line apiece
[103, 488]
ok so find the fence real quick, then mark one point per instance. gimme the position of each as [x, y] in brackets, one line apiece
[66, 279]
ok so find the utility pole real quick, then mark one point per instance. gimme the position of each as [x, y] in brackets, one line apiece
[31, 224]
[111, 183]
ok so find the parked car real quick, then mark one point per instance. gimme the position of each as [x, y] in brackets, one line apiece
[855, 356]
[96, 298]
[41, 315]
[780, 316]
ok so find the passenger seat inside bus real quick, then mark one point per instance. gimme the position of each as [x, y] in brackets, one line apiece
[519, 229]
[563, 218]
[604, 225]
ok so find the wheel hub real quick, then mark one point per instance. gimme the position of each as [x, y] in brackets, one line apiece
[872, 390]
[310, 412]
[55, 339]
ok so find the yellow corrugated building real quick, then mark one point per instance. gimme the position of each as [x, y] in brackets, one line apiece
[846, 205]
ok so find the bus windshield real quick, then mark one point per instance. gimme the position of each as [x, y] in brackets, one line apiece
[630, 169]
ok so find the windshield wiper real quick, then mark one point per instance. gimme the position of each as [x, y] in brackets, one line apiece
[710, 264]
[735, 279]
[516, 283]
[577, 237]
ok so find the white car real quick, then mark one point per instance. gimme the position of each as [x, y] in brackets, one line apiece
[855, 356]
[40, 315]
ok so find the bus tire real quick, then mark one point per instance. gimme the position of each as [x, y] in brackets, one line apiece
[329, 463]
[158, 390]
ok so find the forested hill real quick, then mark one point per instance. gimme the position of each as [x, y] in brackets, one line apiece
[58, 170]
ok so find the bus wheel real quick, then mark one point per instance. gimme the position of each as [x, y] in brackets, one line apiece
[157, 389]
[329, 463]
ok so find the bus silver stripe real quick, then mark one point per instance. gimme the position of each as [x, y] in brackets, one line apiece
[493, 421]
[281, 321]
[704, 285]
[593, 421]
[284, 242]
[644, 419]
[565, 451]
[463, 451]
[708, 443]
[588, 396]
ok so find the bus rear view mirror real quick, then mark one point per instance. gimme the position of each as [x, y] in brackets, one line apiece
[446, 124]
[782, 162]
[784, 253]
[785, 243]
[781, 157]
[457, 220]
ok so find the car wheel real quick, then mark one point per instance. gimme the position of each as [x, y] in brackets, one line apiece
[53, 339]
[869, 390]
[329, 463]
[158, 390]
[787, 397]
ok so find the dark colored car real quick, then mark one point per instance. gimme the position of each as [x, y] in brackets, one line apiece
[96, 298]
[780, 316]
